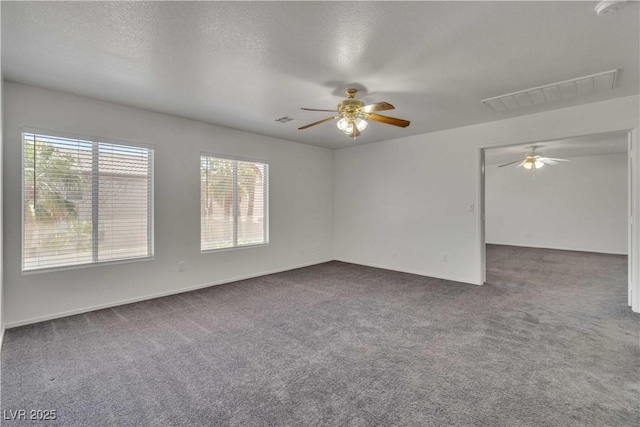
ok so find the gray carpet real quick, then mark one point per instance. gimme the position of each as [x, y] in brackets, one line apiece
[549, 341]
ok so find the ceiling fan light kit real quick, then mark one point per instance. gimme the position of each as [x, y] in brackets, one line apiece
[353, 115]
[533, 163]
[346, 125]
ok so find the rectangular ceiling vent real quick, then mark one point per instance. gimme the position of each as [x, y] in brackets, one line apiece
[284, 119]
[562, 90]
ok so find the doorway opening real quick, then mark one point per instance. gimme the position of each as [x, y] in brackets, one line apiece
[552, 209]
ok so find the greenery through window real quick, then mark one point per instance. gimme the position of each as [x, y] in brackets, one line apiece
[84, 202]
[233, 202]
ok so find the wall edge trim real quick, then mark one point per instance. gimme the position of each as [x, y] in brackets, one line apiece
[557, 248]
[68, 313]
[417, 273]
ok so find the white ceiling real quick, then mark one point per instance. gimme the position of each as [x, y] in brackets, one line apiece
[591, 145]
[245, 64]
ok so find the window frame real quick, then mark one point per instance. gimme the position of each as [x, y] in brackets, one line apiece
[93, 139]
[235, 207]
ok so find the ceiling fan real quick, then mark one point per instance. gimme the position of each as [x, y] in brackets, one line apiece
[353, 115]
[535, 161]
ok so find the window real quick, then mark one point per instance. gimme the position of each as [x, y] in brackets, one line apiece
[233, 203]
[84, 202]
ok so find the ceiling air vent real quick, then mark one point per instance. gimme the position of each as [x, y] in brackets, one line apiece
[284, 119]
[562, 90]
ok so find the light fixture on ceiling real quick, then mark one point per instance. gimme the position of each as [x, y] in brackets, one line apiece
[609, 6]
[346, 124]
[534, 161]
[353, 115]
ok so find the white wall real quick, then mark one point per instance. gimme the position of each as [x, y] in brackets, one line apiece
[399, 204]
[301, 205]
[412, 196]
[581, 205]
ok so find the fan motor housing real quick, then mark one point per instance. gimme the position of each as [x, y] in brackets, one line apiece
[350, 106]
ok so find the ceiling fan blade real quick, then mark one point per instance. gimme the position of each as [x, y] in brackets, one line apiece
[510, 163]
[548, 161]
[522, 164]
[328, 119]
[315, 109]
[388, 120]
[380, 106]
[557, 160]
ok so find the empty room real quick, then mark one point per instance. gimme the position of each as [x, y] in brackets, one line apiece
[320, 213]
[539, 221]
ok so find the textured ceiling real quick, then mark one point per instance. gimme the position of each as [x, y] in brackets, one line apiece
[245, 64]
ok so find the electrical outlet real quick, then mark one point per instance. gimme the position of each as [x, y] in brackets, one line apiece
[318, 248]
[181, 266]
[445, 257]
[304, 249]
[394, 254]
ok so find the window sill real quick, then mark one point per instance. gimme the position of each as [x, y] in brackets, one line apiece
[86, 265]
[234, 248]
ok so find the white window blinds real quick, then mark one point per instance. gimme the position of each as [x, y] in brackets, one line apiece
[85, 202]
[234, 205]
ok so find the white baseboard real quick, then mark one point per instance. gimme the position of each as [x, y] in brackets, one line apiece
[417, 273]
[558, 248]
[152, 296]
[2, 329]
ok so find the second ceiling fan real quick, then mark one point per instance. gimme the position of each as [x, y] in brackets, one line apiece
[534, 160]
[353, 115]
